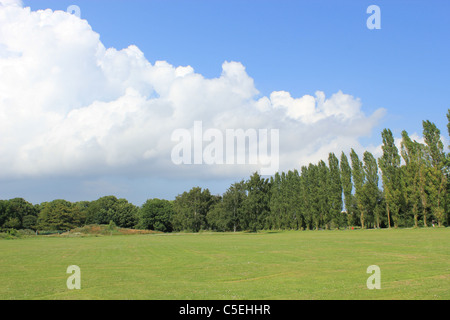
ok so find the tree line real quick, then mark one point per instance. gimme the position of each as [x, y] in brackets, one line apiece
[406, 187]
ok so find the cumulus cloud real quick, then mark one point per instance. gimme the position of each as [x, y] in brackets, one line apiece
[70, 106]
[11, 3]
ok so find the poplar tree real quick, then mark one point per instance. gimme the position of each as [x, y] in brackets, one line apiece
[234, 202]
[370, 188]
[448, 170]
[423, 182]
[358, 181]
[411, 154]
[324, 194]
[389, 164]
[448, 124]
[299, 201]
[277, 200]
[257, 202]
[306, 198]
[313, 188]
[293, 194]
[347, 186]
[335, 188]
[437, 185]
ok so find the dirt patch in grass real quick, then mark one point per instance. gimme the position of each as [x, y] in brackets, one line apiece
[106, 230]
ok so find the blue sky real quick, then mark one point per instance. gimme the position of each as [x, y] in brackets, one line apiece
[295, 46]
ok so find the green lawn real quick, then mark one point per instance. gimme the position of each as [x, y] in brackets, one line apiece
[414, 264]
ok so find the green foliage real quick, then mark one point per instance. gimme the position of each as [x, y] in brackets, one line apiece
[60, 215]
[411, 152]
[370, 191]
[227, 214]
[358, 181]
[389, 164]
[233, 200]
[112, 226]
[256, 204]
[191, 209]
[285, 201]
[12, 212]
[29, 222]
[323, 194]
[347, 187]
[105, 209]
[335, 192]
[448, 124]
[219, 218]
[305, 198]
[156, 214]
[437, 179]
[313, 190]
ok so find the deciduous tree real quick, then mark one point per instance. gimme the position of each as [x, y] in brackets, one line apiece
[389, 164]
[358, 181]
[347, 186]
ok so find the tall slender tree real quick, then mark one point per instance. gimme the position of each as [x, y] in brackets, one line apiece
[358, 181]
[437, 186]
[306, 198]
[313, 189]
[423, 182]
[370, 188]
[233, 200]
[257, 202]
[447, 169]
[411, 154]
[448, 124]
[389, 164]
[347, 186]
[335, 188]
[276, 200]
[293, 195]
[324, 194]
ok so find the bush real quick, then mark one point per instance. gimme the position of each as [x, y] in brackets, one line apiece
[10, 234]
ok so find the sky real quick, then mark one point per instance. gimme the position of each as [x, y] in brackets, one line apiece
[90, 100]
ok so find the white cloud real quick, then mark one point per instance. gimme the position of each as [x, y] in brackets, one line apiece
[70, 106]
[309, 109]
[11, 3]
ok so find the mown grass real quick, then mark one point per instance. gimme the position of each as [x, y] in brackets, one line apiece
[304, 265]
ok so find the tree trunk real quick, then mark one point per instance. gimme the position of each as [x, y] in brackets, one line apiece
[388, 214]
[362, 220]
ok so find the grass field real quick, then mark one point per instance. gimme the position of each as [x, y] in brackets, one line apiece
[414, 264]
